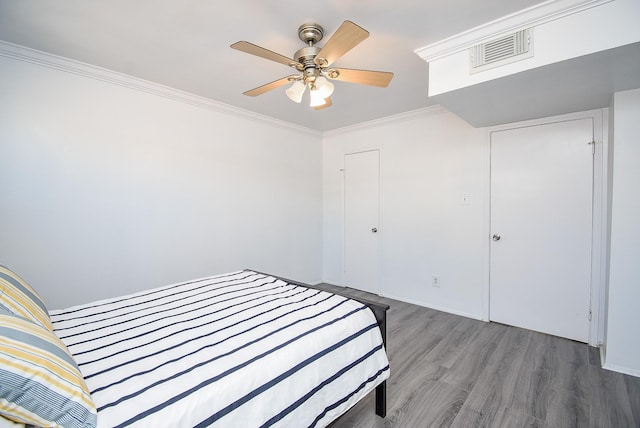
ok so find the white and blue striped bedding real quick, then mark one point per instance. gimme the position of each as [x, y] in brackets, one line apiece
[237, 350]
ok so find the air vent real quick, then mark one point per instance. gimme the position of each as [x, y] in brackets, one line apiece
[514, 47]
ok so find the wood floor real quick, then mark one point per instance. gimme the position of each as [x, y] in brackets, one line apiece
[451, 371]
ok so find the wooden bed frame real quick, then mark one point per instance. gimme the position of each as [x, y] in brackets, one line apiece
[380, 312]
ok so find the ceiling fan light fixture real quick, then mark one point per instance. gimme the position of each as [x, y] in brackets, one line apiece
[317, 99]
[313, 62]
[296, 91]
[324, 86]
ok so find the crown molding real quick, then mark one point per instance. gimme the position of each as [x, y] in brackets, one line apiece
[401, 117]
[548, 11]
[66, 65]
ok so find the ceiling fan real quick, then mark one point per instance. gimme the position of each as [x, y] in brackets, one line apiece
[314, 64]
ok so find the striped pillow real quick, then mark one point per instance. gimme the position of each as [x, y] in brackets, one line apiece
[18, 296]
[41, 383]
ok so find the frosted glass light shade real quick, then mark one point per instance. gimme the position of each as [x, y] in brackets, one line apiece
[317, 99]
[324, 86]
[296, 91]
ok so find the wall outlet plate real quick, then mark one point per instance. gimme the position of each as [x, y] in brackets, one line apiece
[435, 280]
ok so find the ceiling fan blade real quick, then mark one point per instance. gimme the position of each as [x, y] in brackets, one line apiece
[269, 86]
[325, 105]
[346, 37]
[256, 50]
[363, 77]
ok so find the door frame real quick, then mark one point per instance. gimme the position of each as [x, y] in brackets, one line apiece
[600, 119]
[380, 220]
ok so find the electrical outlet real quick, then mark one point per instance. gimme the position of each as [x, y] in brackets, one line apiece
[435, 280]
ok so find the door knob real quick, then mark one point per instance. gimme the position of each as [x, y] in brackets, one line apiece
[496, 237]
[374, 229]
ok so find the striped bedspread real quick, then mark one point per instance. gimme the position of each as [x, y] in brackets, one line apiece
[236, 350]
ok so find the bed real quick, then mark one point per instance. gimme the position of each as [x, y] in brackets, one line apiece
[240, 349]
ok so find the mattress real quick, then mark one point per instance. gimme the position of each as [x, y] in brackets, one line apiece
[241, 349]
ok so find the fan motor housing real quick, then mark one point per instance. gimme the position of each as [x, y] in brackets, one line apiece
[306, 56]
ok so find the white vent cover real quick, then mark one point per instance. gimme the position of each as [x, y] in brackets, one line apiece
[511, 48]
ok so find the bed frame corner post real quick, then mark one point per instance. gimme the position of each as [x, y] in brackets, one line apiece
[381, 399]
[381, 390]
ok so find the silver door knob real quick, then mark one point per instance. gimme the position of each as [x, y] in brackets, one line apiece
[496, 237]
[374, 229]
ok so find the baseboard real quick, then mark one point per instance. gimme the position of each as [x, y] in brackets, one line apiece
[623, 370]
[614, 367]
[435, 307]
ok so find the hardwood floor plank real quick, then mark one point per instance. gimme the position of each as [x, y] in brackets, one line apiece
[467, 417]
[438, 407]
[633, 392]
[609, 399]
[566, 410]
[509, 418]
[468, 367]
[450, 348]
[495, 388]
[442, 323]
[511, 347]
[533, 387]
[571, 364]
[503, 418]
[405, 360]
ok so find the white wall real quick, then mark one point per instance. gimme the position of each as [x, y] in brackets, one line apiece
[623, 344]
[428, 160]
[105, 189]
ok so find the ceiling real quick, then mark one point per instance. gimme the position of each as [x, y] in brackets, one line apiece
[578, 84]
[184, 44]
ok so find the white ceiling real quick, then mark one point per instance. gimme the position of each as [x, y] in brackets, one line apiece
[184, 44]
[579, 84]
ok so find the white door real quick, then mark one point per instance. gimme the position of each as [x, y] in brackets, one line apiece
[361, 220]
[541, 210]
